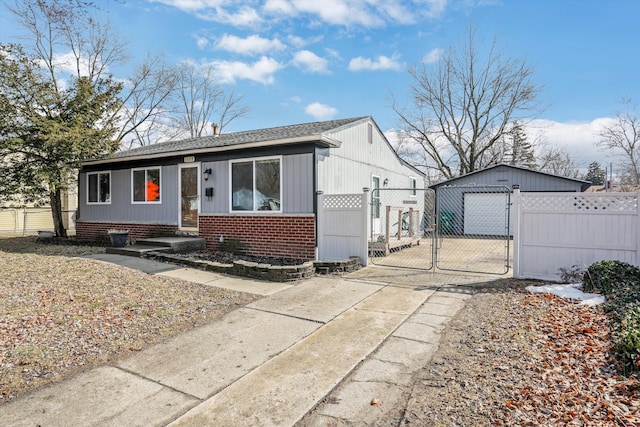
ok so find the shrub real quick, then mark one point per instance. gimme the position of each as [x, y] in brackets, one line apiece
[620, 283]
[626, 338]
[574, 274]
[607, 276]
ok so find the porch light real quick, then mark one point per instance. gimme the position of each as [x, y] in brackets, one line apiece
[385, 182]
[207, 174]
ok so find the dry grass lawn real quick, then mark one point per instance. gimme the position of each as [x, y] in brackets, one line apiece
[60, 313]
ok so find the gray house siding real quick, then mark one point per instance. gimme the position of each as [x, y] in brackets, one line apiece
[298, 191]
[528, 180]
[121, 209]
[219, 181]
[496, 179]
[297, 185]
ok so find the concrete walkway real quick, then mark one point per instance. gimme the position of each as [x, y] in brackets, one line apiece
[270, 363]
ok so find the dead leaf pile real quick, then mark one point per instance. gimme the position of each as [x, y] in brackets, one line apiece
[513, 358]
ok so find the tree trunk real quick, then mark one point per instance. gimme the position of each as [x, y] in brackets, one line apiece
[56, 212]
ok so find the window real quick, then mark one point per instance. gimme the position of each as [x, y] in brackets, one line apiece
[146, 185]
[255, 185]
[99, 188]
[375, 196]
[413, 185]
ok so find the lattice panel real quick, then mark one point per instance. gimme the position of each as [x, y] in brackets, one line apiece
[580, 203]
[342, 201]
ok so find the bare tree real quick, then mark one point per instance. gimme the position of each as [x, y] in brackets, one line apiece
[623, 138]
[147, 115]
[202, 101]
[68, 40]
[557, 161]
[463, 105]
[74, 54]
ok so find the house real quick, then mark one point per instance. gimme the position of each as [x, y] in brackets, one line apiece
[475, 203]
[256, 188]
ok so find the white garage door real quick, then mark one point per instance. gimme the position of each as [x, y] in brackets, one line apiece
[485, 214]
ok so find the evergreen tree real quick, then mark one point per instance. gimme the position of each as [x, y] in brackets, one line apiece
[595, 174]
[45, 132]
[519, 150]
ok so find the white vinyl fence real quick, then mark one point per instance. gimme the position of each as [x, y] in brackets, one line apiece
[561, 230]
[342, 226]
[29, 220]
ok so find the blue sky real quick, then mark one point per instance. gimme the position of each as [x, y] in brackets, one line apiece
[296, 61]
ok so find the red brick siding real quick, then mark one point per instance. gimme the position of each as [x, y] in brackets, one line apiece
[290, 236]
[86, 230]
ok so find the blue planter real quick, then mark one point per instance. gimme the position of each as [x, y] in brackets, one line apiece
[119, 239]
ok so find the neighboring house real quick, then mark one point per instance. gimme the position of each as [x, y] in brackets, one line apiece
[615, 188]
[20, 217]
[257, 187]
[480, 209]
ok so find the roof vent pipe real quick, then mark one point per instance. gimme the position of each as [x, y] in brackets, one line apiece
[216, 129]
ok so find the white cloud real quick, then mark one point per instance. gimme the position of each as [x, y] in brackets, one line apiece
[433, 56]
[299, 42]
[369, 13]
[229, 12]
[578, 138]
[279, 7]
[201, 42]
[380, 63]
[320, 111]
[243, 17]
[310, 62]
[251, 45]
[66, 63]
[261, 71]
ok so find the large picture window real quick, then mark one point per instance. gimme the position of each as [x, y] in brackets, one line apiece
[146, 185]
[99, 188]
[255, 185]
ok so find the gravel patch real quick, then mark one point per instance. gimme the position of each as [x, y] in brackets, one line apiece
[60, 313]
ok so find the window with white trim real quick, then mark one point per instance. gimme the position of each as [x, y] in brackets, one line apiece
[98, 188]
[413, 186]
[256, 185]
[145, 185]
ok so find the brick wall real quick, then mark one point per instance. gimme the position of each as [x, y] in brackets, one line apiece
[87, 230]
[290, 236]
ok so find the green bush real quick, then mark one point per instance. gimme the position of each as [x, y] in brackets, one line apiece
[626, 338]
[619, 282]
[607, 276]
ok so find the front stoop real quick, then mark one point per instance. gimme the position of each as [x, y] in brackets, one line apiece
[161, 244]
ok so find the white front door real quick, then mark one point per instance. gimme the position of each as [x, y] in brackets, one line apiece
[189, 190]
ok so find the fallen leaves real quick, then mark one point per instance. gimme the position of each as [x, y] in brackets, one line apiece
[513, 358]
[59, 313]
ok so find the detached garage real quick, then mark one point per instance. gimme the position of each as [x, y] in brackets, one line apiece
[478, 203]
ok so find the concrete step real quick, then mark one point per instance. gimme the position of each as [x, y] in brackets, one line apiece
[137, 250]
[176, 244]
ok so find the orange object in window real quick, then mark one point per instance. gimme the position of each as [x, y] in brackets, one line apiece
[153, 191]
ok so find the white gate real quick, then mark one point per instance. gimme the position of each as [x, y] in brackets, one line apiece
[342, 226]
[562, 230]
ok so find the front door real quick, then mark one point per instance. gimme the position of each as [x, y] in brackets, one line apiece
[189, 196]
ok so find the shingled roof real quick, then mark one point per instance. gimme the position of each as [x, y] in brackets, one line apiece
[306, 132]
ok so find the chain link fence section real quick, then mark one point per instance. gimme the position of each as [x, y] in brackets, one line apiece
[402, 227]
[473, 229]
